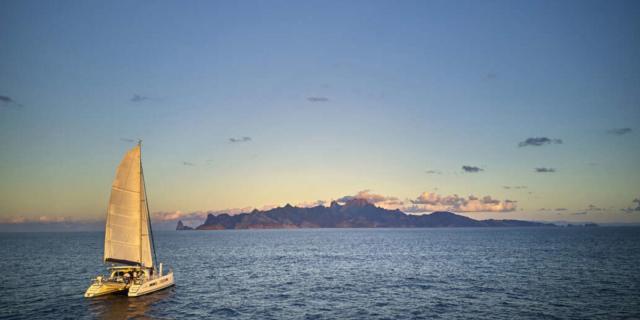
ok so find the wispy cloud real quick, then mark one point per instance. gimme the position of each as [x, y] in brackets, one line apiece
[138, 98]
[6, 101]
[240, 139]
[195, 216]
[317, 99]
[433, 172]
[38, 219]
[589, 209]
[311, 204]
[49, 224]
[619, 131]
[539, 141]
[545, 170]
[556, 209]
[514, 187]
[189, 164]
[430, 201]
[471, 169]
[593, 208]
[635, 203]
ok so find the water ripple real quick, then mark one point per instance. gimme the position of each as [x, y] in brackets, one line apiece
[546, 273]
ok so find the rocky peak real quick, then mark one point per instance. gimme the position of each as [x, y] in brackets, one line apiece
[181, 226]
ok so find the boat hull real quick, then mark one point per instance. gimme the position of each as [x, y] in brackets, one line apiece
[105, 288]
[152, 285]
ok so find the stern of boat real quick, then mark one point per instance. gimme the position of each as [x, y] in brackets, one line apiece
[139, 288]
[101, 288]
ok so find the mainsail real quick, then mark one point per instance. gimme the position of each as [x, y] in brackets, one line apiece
[127, 238]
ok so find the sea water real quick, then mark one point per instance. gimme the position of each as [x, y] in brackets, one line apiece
[448, 273]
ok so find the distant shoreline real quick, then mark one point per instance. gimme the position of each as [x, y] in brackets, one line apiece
[356, 213]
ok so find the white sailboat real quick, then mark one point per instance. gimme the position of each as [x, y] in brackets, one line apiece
[128, 238]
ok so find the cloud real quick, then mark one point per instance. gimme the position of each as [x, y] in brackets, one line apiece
[589, 209]
[196, 217]
[593, 208]
[429, 201]
[545, 170]
[514, 187]
[635, 203]
[372, 198]
[471, 169]
[163, 216]
[49, 224]
[240, 139]
[6, 101]
[619, 131]
[556, 209]
[433, 172]
[189, 164]
[138, 98]
[539, 141]
[311, 204]
[317, 99]
[38, 219]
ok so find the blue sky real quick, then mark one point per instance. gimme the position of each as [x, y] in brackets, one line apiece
[337, 97]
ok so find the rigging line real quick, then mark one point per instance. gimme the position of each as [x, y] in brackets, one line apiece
[146, 201]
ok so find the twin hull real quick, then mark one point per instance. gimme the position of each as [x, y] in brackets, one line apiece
[133, 290]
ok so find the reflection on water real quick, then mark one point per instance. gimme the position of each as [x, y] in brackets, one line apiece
[120, 306]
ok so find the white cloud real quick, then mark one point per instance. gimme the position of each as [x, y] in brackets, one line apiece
[40, 219]
[311, 204]
[430, 201]
[369, 196]
[164, 216]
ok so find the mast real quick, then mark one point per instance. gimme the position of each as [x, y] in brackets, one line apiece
[141, 198]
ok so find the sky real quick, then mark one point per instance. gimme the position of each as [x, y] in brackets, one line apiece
[417, 105]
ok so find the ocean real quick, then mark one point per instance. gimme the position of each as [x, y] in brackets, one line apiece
[444, 273]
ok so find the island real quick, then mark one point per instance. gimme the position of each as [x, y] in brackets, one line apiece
[181, 226]
[356, 213]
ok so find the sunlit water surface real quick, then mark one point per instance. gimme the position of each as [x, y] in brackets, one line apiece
[538, 273]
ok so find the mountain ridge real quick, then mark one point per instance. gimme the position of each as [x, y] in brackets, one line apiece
[356, 213]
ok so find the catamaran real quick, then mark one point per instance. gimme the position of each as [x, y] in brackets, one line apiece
[128, 239]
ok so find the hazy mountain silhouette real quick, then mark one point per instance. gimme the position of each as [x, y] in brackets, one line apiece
[181, 226]
[357, 213]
